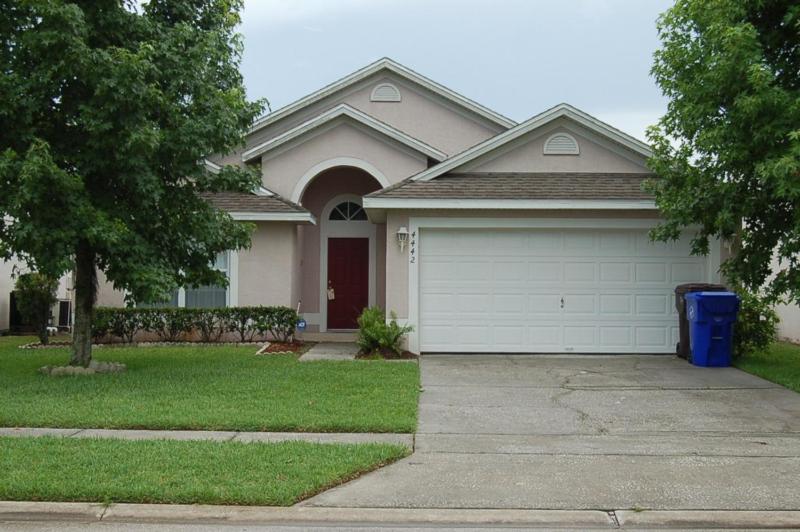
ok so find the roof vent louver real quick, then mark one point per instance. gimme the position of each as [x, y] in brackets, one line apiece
[385, 92]
[561, 144]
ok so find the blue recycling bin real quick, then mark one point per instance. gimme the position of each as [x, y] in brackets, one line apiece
[711, 318]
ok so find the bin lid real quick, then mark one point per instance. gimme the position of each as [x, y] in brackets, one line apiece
[716, 302]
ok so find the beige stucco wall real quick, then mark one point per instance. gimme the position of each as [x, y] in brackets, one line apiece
[397, 262]
[282, 172]
[267, 270]
[526, 154]
[420, 113]
[267, 273]
[107, 295]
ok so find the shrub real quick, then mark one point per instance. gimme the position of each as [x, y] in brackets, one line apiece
[36, 295]
[242, 320]
[171, 324]
[101, 323]
[210, 323]
[756, 324]
[278, 323]
[376, 336]
[124, 323]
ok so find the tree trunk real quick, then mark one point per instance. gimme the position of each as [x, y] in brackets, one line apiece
[85, 295]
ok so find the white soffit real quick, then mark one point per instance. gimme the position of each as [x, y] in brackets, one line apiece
[559, 111]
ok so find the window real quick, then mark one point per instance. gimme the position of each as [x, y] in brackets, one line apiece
[209, 296]
[348, 210]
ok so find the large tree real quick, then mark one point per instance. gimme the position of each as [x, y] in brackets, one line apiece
[107, 109]
[728, 148]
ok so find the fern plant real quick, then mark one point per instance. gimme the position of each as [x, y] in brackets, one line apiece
[377, 336]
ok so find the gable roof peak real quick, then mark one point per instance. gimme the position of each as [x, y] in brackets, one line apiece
[535, 122]
[351, 113]
[384, 63]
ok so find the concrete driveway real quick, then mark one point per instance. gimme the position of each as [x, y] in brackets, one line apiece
[598, 432]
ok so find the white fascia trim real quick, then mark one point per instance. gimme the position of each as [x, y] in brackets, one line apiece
[561, 110]
[344, 110]
[274, 217]
[211, 166]
[400, 70]
[505, 204]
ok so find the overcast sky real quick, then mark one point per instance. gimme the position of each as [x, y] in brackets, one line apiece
[517, 57]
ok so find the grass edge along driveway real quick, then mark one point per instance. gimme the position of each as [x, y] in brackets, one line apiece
[207, 388]
[779, 364]
[181, 472]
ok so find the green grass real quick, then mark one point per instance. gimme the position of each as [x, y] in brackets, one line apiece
[780, 364]
[213, 388]
[180, 472]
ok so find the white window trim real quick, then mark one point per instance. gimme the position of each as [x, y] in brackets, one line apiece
[347, 229]
[417, 223]
[232, 290]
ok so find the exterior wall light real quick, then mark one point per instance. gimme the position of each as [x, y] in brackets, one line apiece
[402, 238]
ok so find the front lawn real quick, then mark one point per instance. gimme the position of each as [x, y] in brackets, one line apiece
[213, 388]
[780, 364]
[180, 472]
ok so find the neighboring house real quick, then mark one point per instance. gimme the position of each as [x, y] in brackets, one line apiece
[789, 314]
[526, 237]
[62, 310]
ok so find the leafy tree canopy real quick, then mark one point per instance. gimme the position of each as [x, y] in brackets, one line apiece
[107, 109]
[728, 148]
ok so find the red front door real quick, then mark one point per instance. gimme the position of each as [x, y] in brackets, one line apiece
[348, 281]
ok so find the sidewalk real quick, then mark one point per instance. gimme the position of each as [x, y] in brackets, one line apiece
[48, 513]
[123, 434]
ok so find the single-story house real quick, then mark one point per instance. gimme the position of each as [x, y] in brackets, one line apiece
[486, 235]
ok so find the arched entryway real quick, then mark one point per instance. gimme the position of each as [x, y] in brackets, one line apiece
[343, 256]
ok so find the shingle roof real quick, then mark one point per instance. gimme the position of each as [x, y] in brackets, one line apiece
[571, 185]
[241, 202]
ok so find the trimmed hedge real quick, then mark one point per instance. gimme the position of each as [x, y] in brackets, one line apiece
[179, 324]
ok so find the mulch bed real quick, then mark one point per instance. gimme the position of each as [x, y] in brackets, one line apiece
[387, 354]
[284, 347]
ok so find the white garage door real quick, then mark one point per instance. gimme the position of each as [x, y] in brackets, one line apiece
[550, 291]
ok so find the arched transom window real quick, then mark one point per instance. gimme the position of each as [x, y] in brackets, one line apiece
[348, 210]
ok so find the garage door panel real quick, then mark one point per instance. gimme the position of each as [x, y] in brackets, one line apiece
[580, 337]
[652, 304]
[544, 271]
[616, 304]
[501, 290]
[576, 303]
[580, 272]
[651, 336]
[546, 304]
[546, 336]
[686, 272]
[616, 337]
[615, 272]
[510, 271]
[509, 304]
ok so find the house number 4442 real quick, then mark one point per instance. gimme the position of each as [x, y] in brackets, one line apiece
[412, 248]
